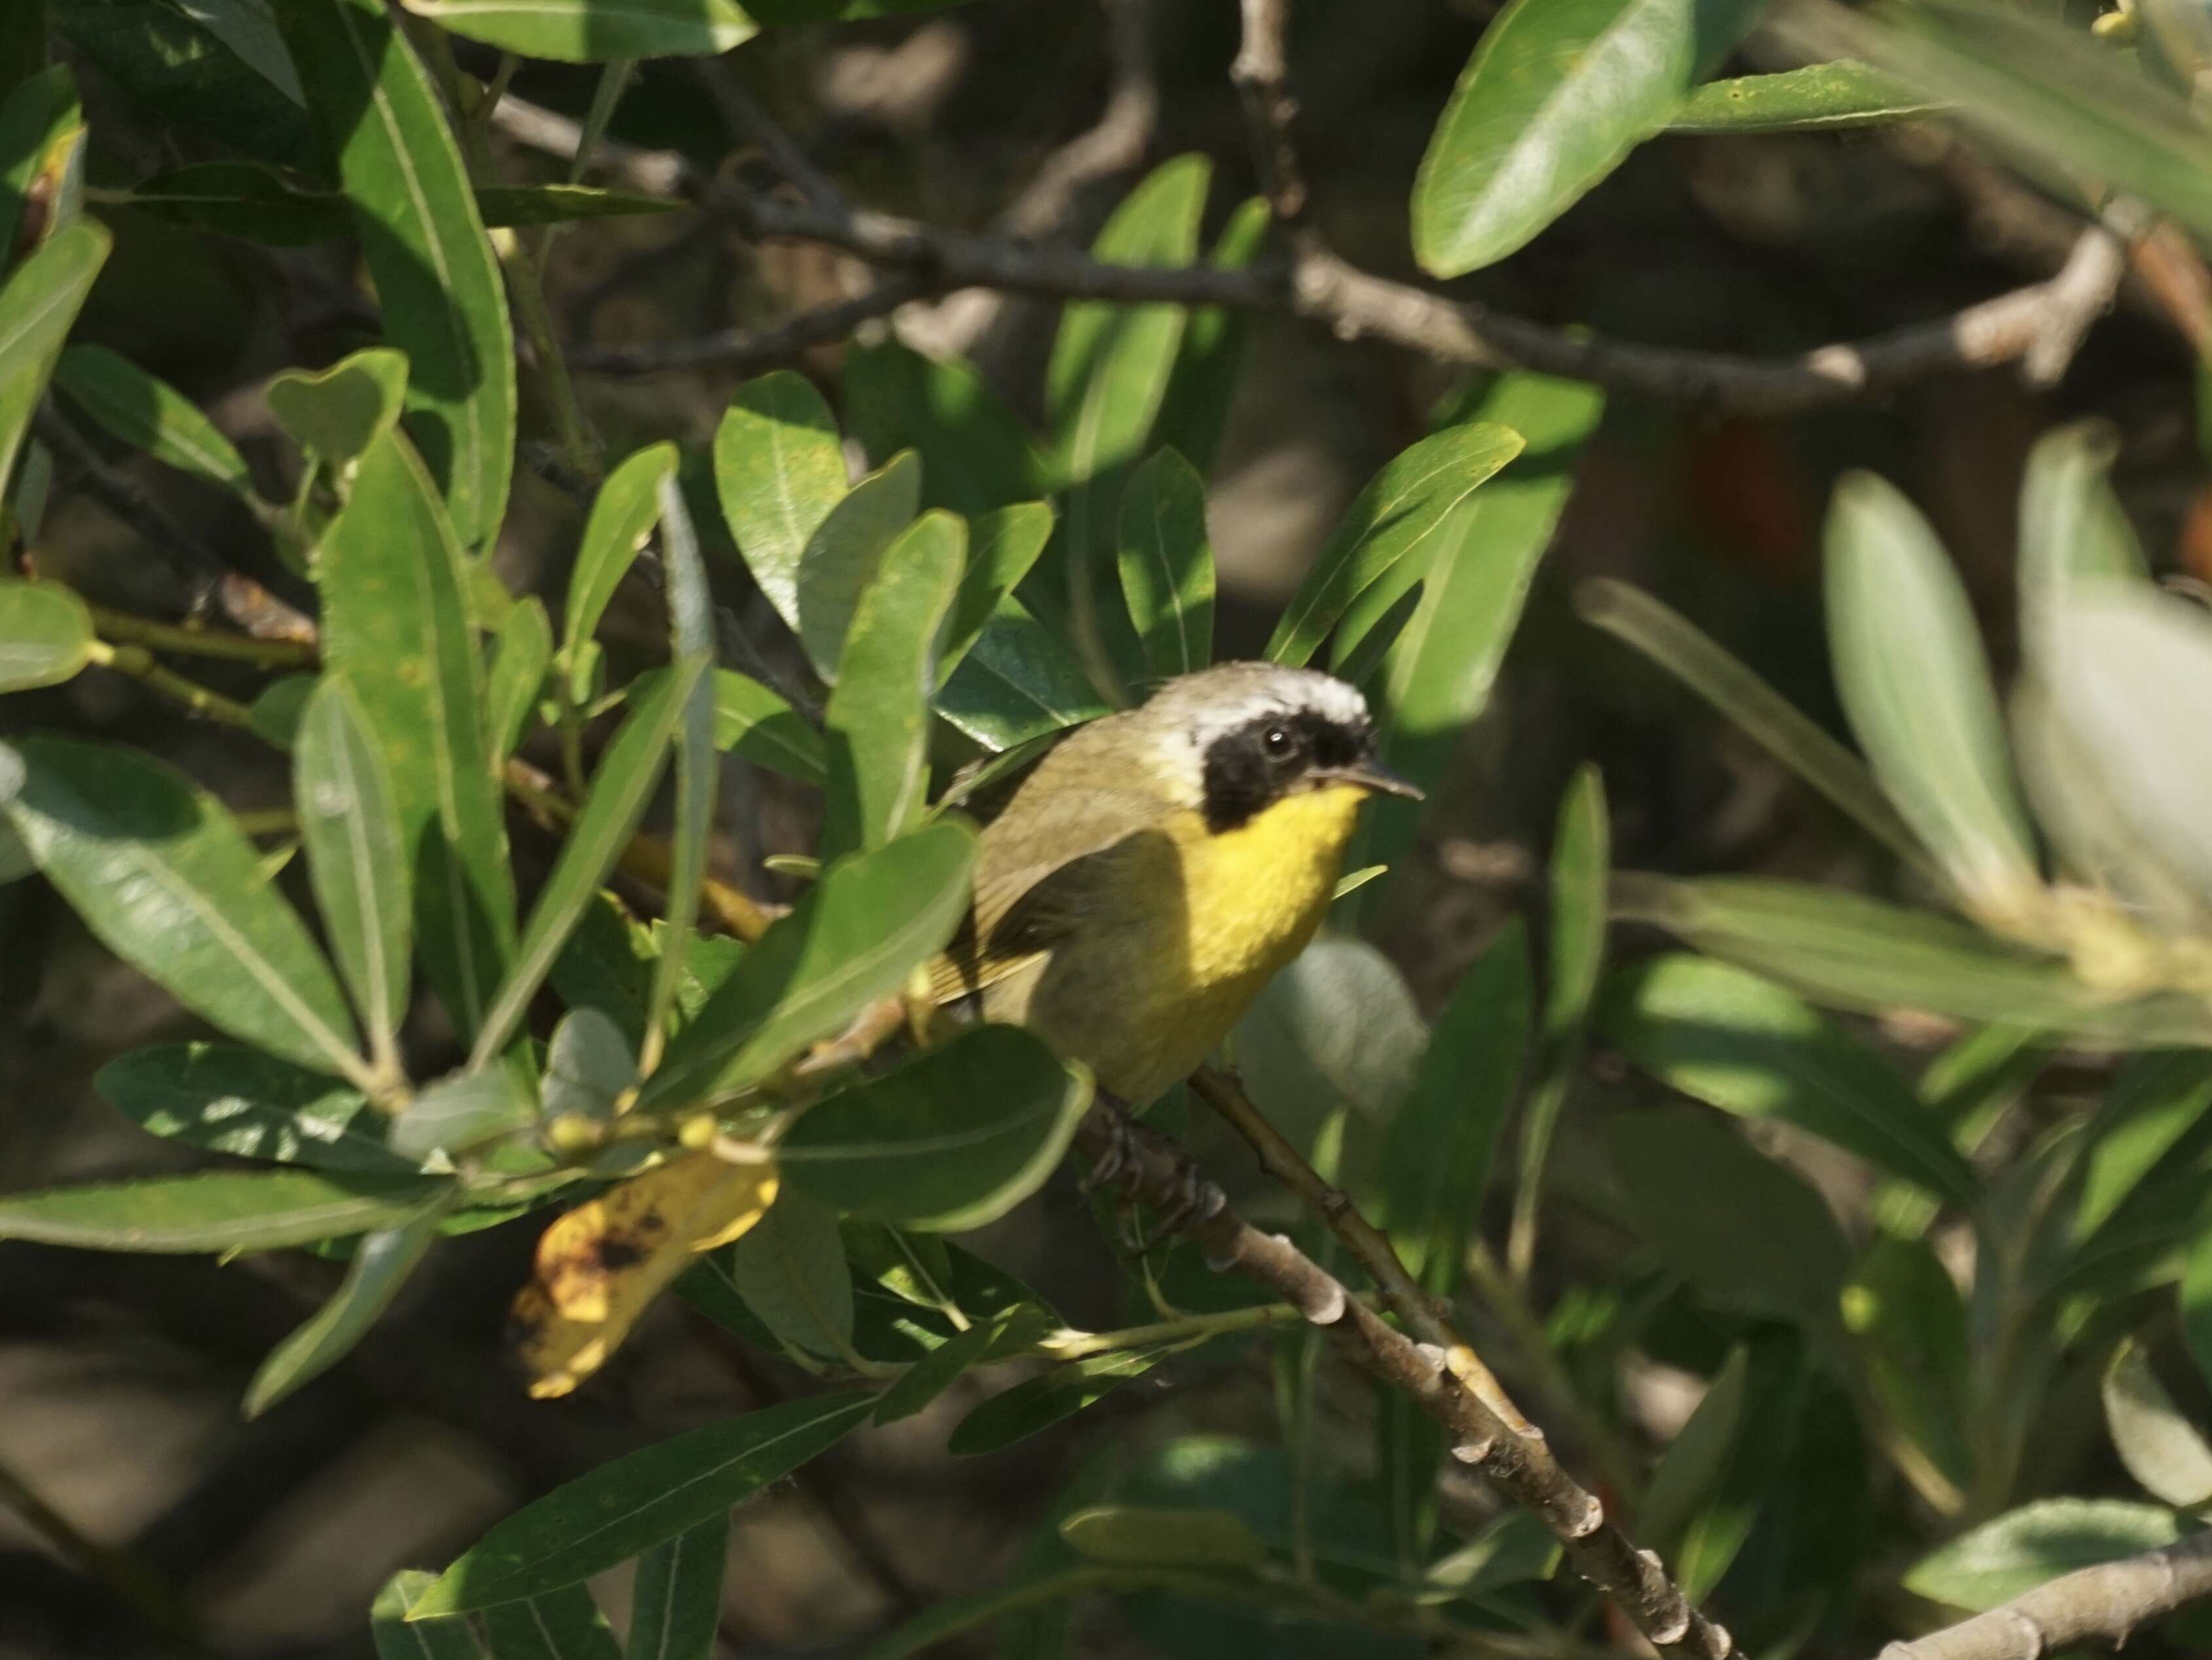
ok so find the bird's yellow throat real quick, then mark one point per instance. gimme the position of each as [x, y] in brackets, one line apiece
[1256, 894]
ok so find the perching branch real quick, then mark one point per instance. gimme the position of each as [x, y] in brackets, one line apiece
[2104, 1604]
[1146, 1166]
[1262, 73]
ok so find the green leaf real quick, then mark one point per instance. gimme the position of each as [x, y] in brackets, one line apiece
[790, 1269]
[229, 1099]
[398, 1639]
[640, 1500]
[976, 453]
[624, 514]
[1195, 412]
[520, 657]
[2195, 1299]
[989, 1338]
[217, 1211]
[2021, 1549]
[1819, 98]
[754, 723]
[339, 412]
[463, 1111]
[621, 789]
[1908, 1329]
[588, 1065]
[843, 554]
[1161, 1536]
[176, 70]
[1741, 1486]
[1030, 1408]
[2153, 1101]
[1853, 952]
[950, 1141]
[1336, 1029]
[1002, 546]
[276, 715]
[439, 287]
[1438, 1157]
[45, 634]
[595, 31]
[1167, 564]
[1748, 1047]
[1670, 641]
[147, 413]
[1772, 1249]
[38, 301]
[2123, 669]
[1582, 859]
[1697, 1457]
[1018, 682]
[1412, 501]
[877, 719]
[676, 1599]
[247, 28]
[356, 857]
[396, 626]
[159, 873]
[779, 469]
[41, 128]
[380, 1265]
[1514, 1548]
[1557, 92]
[2162, 1450]
[1105, 383]
[1915, 681]
[556, 1625]
[851, 939]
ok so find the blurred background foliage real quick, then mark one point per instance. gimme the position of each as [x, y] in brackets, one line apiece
[1839, 1210]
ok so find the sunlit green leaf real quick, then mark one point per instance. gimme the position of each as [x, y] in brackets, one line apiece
[1195, 412]
[356, 855]
[219, 1211]
[396, 1638]
[1908, 1325]
[41, 124]
[778, 470]
[341, 411]
[45, 634]
[463, 1111]
[228, 1098]
[976, 453]
[1029, 1408]
[2163, 1450]
[1167, 564]
[1002, 546]
[594, 30]
[38, 301]
[520, 656]
[1819, 98]
[622, 516]
[147, 413]
[2022, 1548]
[1017, 682]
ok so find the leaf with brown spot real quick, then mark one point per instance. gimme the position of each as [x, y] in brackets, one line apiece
[602, 1263]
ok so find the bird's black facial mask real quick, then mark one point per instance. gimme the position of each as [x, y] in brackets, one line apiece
[1252, 767]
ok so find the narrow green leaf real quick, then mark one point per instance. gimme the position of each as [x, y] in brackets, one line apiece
[989, 1338]
[843, 554]
[2153, 1101]
[976, 453]
[2165, 1453]
[1849, 951]
[2195, 1299]
[676, 1600]
[159, 871]
[1915, 681]
[38, 301]
[1819, 98]
[1515, 1548]
[356, 857]
[1741, 1486]
[1908, 1326]
[1336, 1029]
[216, 1211]
[184, 72]
[2024, 1548]
[756, 724]
[45, 634]
[1031, 1407]
[790, 1268]
[1696, 1457]
[462, 1111]
[595, 31]
[1161, 1535]
[554, 1625]
[624, 514]
[628, 771]
[640, 1500]
[1413, 499]
[520, 656]
[1018, 682]
[1194, 410]
[778, 470]
[851, 939]
[1440, 1145]
[1557, 92]
[1746, 1046]
[338, 412]
[1002, 546]
[439, 285]
[147, 413]
[229, 1099]
[950, 1141]
[1773, 1249]
[1358, 662]
[40, 122]
[380, 1264]
[877, 719]
[396, 626]
[1167, 564]
[397, 1637]
[1670, 641]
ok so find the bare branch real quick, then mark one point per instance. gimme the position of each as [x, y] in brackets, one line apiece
[750, 123]
[1262, 73]
[1146, 1166]
[2103, 1604]
[747, 349]
[2083, 291]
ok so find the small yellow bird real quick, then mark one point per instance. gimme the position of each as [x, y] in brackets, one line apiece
[1159, 866]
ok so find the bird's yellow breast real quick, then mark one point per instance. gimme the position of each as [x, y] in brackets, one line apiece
[1196, 924]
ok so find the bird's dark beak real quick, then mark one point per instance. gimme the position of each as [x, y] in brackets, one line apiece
[1370, 776]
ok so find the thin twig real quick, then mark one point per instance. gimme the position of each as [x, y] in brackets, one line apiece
[752, 124]
[2104, 1604]
[1146, 1166]
[748, 349]
[1262, 73]
[190, 641]
[2082, 291]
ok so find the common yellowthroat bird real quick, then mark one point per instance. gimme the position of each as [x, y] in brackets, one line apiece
[1156, 869]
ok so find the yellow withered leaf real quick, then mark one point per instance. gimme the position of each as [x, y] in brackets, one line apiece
[599, 1265]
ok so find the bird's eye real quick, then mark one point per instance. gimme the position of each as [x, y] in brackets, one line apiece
[1279, 742]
